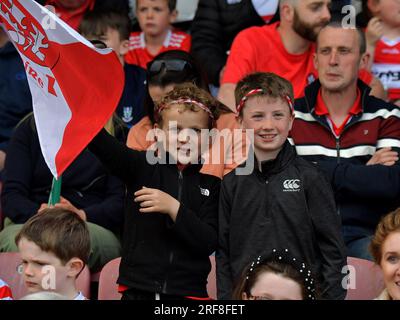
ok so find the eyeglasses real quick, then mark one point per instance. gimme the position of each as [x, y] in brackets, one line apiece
[169, 65]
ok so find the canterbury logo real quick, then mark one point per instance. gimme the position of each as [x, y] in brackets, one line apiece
[291, 185]
[205, 192]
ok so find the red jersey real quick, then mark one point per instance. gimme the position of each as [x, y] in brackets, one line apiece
[139, 55]
[72, 18]
[386, 66]
[261, 49]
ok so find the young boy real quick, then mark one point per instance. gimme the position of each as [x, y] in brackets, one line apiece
[383, 44]
[113, 29]
[171, 215]
[54, 247]
[155, 18]
[284, 203]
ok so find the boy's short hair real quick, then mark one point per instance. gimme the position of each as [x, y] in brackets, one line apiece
[188, 91]
[171, 4]
[59, 231]
[271, 85]
[96, 24]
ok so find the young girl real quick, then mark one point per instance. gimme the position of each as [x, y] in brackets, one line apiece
[284, 201]
[276, 276]
[171, 215]
[165, 72]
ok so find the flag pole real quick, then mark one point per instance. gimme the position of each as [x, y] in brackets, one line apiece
[55, 192]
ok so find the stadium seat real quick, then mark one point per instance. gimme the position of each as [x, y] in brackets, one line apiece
[366, 279]
[108, 288]
[9, 262]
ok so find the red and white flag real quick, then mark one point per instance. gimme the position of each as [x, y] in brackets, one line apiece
[75, 87]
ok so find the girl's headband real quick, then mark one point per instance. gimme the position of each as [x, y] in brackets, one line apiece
[286, 258]
[257, 91]
[187, 100]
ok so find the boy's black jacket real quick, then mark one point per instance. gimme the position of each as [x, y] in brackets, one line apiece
[159, 255]
[289, 205]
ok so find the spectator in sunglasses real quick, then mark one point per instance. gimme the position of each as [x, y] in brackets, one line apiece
[166, 71]
[155, 19]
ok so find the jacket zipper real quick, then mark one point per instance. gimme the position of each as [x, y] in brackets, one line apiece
[338, 149]
[171, 254]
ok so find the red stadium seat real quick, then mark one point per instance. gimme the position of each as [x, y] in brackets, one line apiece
[108, 287]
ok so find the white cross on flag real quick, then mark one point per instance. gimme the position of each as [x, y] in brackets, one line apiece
[75, 87]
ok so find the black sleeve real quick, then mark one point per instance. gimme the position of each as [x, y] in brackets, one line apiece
[16, 201]
[207, 39]
[109, 212]
[199, 230]
[120, 160]
[224, 274]
[354, 180]
[329, 239]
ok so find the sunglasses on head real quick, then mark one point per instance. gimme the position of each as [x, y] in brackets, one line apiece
[169, 65]
[98, 44]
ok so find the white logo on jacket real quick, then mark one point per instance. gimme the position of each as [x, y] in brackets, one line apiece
[291, 185]
[205, 192]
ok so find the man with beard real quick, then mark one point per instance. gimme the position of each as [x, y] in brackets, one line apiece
[352, 136]
[285, 48]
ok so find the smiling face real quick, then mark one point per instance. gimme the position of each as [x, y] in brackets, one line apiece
[182, 132]
[390, 264]
[271, 120]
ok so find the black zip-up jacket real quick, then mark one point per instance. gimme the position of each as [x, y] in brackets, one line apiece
[159, 255]
[289, 205]
[364, 193]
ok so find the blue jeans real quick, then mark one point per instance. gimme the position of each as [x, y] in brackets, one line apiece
[357, 240]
